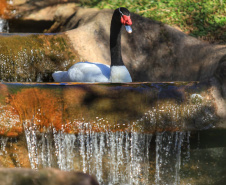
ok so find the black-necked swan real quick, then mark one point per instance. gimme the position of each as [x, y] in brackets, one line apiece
[97, 72]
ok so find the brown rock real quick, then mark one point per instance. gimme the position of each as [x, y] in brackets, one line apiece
[153, 52]
[23, 176]
[3, 6]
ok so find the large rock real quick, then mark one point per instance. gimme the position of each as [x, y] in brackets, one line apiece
[142, 107]
[23, 176]
[153, 52]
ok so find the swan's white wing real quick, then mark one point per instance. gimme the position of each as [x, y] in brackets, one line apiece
[89, 72]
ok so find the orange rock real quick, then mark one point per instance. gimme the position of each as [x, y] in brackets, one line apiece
[17, 129]
[40, 105]
[12, 134]
[3, 6]
[2, 132]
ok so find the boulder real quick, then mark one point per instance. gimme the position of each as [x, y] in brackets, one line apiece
[154, 52]
[24, 176]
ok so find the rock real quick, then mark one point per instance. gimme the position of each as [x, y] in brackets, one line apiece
[38, 16]
[151, 107]
[34, 57]
[41, 10]
[51, 13]
[23, 176]
[153, 52]
[2, 7]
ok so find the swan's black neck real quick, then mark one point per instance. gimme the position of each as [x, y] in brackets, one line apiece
[115, 40]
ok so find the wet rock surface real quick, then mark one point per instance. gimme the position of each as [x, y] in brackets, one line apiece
[141, 107]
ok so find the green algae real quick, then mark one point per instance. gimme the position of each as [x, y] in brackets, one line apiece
[31, 58]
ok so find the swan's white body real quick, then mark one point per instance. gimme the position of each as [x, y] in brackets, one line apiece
[119, 74]
[93, 72]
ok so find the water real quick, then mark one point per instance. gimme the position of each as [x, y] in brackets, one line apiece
[80, 128]
[4, 26]
[129, 158]
[120, 157]
[168, 157]
[113, 157]
[28, 57]
[3, 143]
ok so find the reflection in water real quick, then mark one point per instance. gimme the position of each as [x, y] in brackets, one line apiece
[119, 107]
[113, 157]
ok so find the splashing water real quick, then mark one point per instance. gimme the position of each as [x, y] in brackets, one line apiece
[113, 157]
[4, 26]
[3, 142]
[64, 145]
[168, 157]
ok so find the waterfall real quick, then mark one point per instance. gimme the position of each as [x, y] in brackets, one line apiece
[168, 157]
[3, 142]
[4, 26]
[113, 157]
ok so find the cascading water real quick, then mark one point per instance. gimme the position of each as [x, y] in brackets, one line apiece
[168, 157]
[75, 129]
[113, 157]
[3, 142]
[4, 26]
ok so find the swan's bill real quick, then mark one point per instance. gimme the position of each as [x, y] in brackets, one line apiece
[128, 29]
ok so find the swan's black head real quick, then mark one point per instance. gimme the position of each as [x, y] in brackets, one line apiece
[123, 15]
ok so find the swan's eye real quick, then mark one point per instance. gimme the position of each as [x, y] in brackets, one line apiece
[125, 20]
